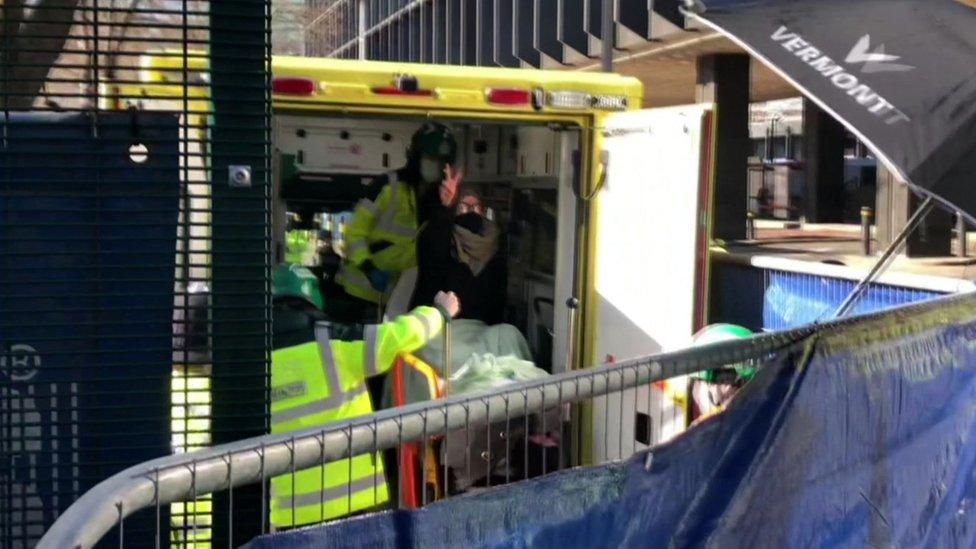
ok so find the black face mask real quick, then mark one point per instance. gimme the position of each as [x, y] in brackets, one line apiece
[471, 221]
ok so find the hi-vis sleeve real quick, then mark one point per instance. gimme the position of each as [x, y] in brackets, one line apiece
[405, 334]
[361, 225]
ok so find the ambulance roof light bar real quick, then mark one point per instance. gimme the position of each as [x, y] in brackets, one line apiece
[583, 100]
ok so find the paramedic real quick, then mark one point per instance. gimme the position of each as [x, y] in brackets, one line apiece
[381, 237]
[457, 251]
[316, 380]
[712, 390]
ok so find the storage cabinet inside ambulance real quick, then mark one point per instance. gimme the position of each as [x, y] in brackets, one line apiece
[524, 174]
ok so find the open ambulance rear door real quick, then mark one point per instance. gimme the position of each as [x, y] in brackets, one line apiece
[651, 263]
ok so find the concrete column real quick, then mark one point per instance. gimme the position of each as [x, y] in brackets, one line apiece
[724, 81]
[895, 204]
[823, 155]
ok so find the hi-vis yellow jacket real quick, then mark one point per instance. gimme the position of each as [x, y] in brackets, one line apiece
[322, 381]
[392, 219]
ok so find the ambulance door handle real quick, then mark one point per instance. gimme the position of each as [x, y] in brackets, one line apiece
[604, 169]
[573, 305]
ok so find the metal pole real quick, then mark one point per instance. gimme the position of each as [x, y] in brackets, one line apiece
[447, 357]
[750, 226]
[866, 214]
[606, 37]
[882, 263]
[361, 29]
[961, 234]
[573, 305]
[477, 33]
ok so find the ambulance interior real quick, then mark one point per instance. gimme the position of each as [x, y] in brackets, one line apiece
[524, 173]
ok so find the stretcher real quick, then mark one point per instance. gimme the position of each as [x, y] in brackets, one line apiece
[457, 461]
[416, 456]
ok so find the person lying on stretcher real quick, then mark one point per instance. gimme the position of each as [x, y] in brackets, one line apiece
[482, 358]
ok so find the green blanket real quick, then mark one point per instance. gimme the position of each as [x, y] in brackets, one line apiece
[482, 357]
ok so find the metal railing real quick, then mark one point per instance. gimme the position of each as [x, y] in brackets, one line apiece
[609, 389]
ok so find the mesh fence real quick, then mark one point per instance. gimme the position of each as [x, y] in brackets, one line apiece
[134, 315]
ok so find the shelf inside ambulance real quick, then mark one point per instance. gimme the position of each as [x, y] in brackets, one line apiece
[334, 191]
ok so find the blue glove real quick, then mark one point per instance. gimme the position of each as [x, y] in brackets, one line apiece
[378, 279]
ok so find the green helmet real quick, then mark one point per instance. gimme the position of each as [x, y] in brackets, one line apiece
[297, 282]
[434, 139]
[715, 333]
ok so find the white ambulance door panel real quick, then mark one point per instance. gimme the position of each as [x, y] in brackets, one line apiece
[648, 259]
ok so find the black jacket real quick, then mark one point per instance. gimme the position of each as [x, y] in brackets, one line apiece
[482, 297]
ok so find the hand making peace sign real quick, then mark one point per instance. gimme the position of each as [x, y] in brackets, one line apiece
[450, 184]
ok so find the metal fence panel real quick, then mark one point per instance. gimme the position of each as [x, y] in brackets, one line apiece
[462, 430]
[515, 431]
[134, 316]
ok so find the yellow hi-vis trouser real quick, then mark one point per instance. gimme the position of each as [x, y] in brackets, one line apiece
[320, 382]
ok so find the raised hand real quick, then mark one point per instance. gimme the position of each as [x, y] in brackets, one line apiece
[450, 184]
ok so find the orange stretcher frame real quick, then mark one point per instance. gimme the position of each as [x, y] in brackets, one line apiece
[409, 455]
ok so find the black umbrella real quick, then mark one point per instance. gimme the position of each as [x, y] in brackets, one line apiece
[900, 74]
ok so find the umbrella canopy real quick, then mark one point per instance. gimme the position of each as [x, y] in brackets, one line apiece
[900, 74]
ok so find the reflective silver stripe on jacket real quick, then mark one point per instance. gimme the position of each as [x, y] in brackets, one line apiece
[342, 491]
[369, 346]
[337, 397]
[355, 277]
[391, 227]
[330, 402]
[355, 246]
[369, 206]
[426, 322]
[387, 223]
[328, 359]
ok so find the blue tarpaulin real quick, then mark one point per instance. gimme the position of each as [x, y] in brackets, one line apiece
[861, 435]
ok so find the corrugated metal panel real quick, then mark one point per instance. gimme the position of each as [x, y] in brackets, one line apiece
[547, 30]
[508, 33]
[634, 16]
[504, 39]
[571, 30]
[670, 10]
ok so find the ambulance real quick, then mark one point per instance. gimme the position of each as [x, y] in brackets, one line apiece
[606, 207]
